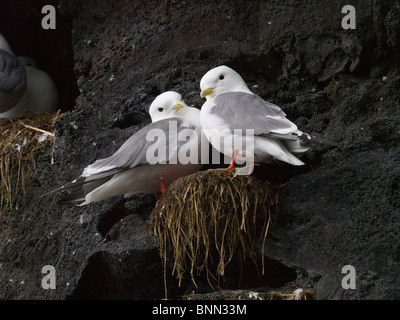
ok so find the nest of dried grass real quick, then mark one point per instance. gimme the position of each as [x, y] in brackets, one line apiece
[212, 214]
[20, 139]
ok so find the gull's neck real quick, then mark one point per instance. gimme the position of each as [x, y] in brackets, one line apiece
[192, 117]
[241, 87]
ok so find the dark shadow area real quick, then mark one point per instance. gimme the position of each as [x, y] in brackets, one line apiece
[111, 217]
[115, 276]
[131, 119]
[141, 204]
[248, 275]
[239, 275]
[267, 66]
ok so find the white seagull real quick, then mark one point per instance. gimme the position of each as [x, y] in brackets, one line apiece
[141, 164]
[12, 77]
[231, 108]
[23, 86]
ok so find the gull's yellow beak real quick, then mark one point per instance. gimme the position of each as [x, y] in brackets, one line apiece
[206, 92]
[178, 105]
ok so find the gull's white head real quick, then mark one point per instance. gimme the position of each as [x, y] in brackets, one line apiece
[220, 80]
[167, 105]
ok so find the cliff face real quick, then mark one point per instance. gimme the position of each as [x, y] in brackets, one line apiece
[342, 208]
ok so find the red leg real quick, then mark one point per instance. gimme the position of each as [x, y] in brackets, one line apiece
[251, 168]
[162, 188]
[162, 185]
[231, 166]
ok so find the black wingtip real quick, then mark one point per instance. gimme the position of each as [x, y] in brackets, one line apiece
[74, 196]
[66, 187]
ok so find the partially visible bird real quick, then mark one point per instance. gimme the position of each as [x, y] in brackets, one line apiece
[23, 86]
[150, 160]
[12, 77]
[40, 94]
[231, 108]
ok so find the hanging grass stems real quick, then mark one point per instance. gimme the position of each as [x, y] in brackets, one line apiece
[20, 139]
[210, 214]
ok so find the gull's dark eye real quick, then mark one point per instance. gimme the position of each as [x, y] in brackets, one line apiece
[160, 109]
[221, 77]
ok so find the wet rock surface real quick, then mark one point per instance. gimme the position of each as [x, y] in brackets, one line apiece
[341, 208]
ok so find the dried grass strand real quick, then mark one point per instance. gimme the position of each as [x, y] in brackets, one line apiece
[19, 143]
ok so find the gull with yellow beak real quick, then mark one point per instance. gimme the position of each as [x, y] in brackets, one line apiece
[231, 108]
[134, 167]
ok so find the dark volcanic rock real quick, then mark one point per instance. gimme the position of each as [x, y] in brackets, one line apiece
[342, 208]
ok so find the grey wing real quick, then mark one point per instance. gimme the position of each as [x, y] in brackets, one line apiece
[134, 152]
[248, 111]
[12, 80]
[131, 154]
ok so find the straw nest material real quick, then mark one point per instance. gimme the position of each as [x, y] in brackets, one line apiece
[212, 214]
[21, 138]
